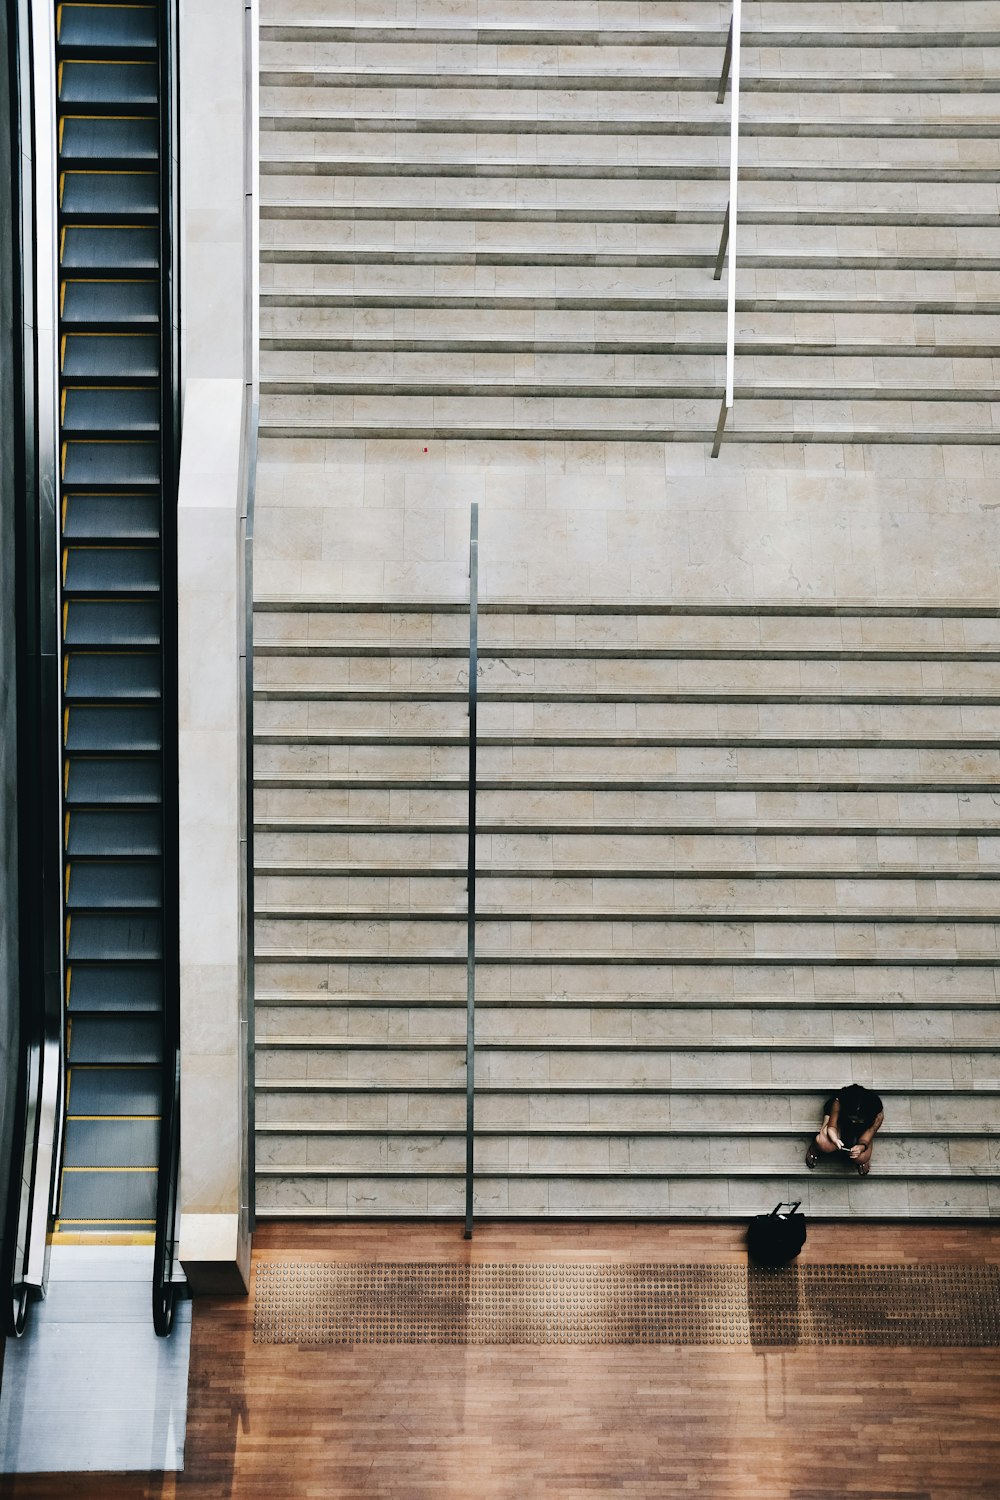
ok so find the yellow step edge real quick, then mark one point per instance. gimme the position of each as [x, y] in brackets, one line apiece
[100, 1237]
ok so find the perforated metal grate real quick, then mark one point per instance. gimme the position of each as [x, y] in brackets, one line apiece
[425, 1302]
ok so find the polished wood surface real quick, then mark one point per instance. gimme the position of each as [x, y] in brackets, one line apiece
[424, 1423]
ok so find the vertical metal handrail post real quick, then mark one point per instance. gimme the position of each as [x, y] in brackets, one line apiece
[731, 219]
[470, 961]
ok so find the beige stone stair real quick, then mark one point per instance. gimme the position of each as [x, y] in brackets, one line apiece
[727, 859]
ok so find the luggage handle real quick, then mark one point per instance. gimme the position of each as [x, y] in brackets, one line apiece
[792, 1208]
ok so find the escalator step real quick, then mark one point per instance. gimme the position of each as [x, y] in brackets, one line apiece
[112, 1143]
[100, 730]
[110, 675]
[109, 193]
[98, 1197]
[113, 883]
[106, 782]
[103, 938]
[118, 356]
[108, 138]
[110, 463]
[114, 1091]
[115, 987]
[112, 622]
[133, 834]
[113, 1039]
[112, 570]
[110, 304]
[109, 85]
[126, 247]
[106, 27]
[112, 408]
[111, 517]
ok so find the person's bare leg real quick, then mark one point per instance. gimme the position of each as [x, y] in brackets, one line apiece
[863, 1161]
[820, 1144]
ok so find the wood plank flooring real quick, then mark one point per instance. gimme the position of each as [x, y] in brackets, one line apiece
[573, 1423]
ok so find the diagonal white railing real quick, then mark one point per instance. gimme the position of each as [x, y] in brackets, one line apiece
[731, 76]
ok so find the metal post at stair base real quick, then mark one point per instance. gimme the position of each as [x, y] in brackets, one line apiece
[720, 427]
[470, 961]
[723, 245]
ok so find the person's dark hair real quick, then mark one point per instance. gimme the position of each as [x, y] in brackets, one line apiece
[854, 1103]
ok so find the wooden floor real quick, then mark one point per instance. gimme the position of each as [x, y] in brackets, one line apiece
[426, 1423]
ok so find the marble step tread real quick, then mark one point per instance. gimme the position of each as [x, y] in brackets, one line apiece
[309, 1127]
[638, 871]
[613, 1044]
[516, 168]
[839, 608]
[796, 77]
[504, 211]
[764, 1091]
[862, 958]
[310, 693]
[867, 1005]
[524, 33]
[447, 432]
[573, 739]
[488, 912]
[889, 1170]
[709, 300]
[784, 434]
[691, 125]
[325, 781]
[840, 828]
[752, 390]
[668, 651]
[332, 123]
[836, 1212]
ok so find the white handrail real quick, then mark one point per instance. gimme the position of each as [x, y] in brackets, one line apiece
[732, 64]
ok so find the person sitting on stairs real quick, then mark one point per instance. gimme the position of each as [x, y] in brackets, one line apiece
[851, 1118]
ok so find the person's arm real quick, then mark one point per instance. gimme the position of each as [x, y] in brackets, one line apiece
[864, 1146]
[833, 1134]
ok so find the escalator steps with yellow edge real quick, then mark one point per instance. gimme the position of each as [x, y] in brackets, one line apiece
[110, 388]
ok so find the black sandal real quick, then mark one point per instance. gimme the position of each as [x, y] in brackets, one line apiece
[812, 1158]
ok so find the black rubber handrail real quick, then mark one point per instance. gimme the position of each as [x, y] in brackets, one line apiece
[163, 1288]
[470, 967]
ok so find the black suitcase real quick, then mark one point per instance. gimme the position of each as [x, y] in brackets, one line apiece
[774, 1239]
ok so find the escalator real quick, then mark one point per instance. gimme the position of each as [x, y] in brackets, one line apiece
[117, 471]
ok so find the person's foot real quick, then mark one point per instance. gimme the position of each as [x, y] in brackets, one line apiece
[812, 1157]
[864, 1167]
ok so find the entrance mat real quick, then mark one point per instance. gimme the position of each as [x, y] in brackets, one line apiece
[427, 1302]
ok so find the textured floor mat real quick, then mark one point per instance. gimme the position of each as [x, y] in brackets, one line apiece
[425, 1302]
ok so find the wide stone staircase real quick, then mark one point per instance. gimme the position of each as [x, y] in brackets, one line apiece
[729, 857]
[502, 220]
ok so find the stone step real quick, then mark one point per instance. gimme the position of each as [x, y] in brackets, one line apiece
[781, 108]
[919, 1102]
[599, 1152]
[396, 761]
[869, 851]
[301, 1002]
[559, 669]
[624, 1024]
[900, 1195]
